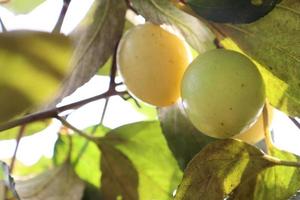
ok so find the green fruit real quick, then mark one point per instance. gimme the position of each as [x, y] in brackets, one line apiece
[223, 93]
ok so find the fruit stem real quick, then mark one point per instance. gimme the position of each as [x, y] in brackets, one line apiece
[277, 161]
[268, 137]
[2, 26]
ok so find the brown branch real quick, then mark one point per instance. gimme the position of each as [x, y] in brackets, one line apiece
[129, 5]
[2, 26]
[20, 134]
[61, 18]
[296, 123]
[80, 132]
[52, 113]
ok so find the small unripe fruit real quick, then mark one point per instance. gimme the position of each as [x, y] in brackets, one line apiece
[223, 93]
[152, 61]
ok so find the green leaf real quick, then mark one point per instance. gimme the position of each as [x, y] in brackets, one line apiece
[30, 129]
[183, 138]
[60, 183]
[274, 41]
[163, 11]
[33, 64]
[219, 168]
[96, 42]
[85, 155]
[232, 11]
[137, 164]
[22, 6]
[278, 182]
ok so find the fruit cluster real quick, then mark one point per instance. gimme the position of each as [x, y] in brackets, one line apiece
[222, 91]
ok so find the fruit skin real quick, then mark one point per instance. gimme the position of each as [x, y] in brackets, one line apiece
[223, 93]
[152, 62]
[256, 132]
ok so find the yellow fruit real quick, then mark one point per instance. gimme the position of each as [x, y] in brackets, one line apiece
[256, 132]
[152, 61]
[223, 93]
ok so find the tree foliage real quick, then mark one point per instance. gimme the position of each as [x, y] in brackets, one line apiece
[165, 156]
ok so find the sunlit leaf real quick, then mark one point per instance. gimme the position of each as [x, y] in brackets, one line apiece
[278, 182]
[32, 67]
[137, 164]
[219, 168]
[274, 41]
[60, 183]
[21, 6]
[183, 138]
[85, 155]
[163, 11]
[96, 42]
[232, 11]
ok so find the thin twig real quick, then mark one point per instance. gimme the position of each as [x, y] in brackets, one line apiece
[2, 26]
[112, 87]
[295, 122]
[80, 132]
[52, 113]
[20, 134]
[277, 161]
[129, 5]
[85, 145]
[61, 18]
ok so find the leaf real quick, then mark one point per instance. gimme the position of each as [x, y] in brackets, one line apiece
[85, 156]
[232, 11]
[219, 168]
[163, 11]
[30, 129]
[274, 41]
[33, 64]
[278, 182]
[21, 6]
[96, 43]
[120, 178]
[57, 184]
[183, 138]
[137, 164]
[7, 184]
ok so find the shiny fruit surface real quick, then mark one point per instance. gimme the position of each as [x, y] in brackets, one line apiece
[152, 61]
[223, 93]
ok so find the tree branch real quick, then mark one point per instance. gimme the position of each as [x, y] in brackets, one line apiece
[80, 132]
[295, 122]
[129, 5]
[20, 134]
[52, 113]
[61, 18]
[2, 26]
